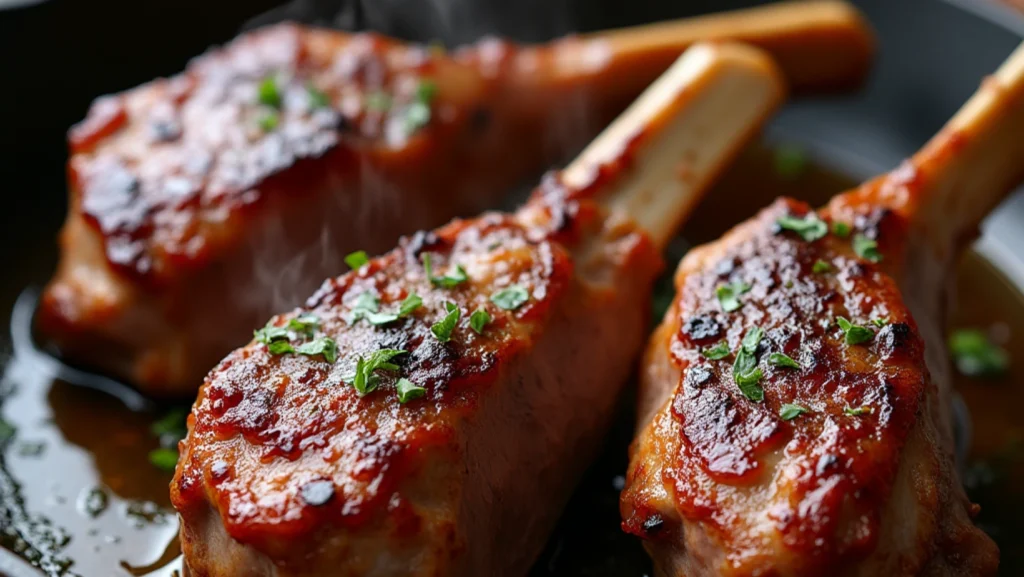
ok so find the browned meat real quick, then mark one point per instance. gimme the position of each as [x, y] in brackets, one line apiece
[794, 413]
[319, 464]
[256, 171]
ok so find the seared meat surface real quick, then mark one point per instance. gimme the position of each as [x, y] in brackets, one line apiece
[794, 410]
[253, 173]
[309, 451]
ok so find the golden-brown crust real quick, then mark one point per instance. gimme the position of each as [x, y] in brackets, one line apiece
[162, 171]
[831, 472]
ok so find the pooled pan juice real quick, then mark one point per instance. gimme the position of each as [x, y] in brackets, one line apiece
[82, 491]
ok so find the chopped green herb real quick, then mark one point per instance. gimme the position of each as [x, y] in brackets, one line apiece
[280, 348]
[426, 90]
[510, 298]
[443, 328]
[317, 97]
[7, 431]
[752, 339]
[410, 304]
[841, 229]
[379, 101]
[449, 280]
[821, 266]
[976, 356]
[270, 334]
[365, 381]
[357, 259]
[479, 320]
[268, 92]
[269, 121]
[745, 372]
[719, 351]
[305, 323]
[418, 114]
[172, 424]
[164, 458]
[856, 412]
[367, 306]
[790, 161]
[749, 384]
[866, 248]
[879, 322]
[855, 334]
[810, 228]
[788, 411]
[781, 360]
[320, 346]
[408, 390]
[729, 295]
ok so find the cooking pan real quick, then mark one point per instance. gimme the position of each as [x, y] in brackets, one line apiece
[67, 507]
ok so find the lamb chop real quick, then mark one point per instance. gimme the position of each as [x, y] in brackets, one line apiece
[430, 412]
[256, 171]
[794, 414]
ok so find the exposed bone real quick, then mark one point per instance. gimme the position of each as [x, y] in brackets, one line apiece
[685, 127]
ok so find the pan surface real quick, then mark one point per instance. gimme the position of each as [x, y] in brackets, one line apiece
[69, 504]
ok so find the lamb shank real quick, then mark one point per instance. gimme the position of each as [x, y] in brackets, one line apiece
[202, 204]
[429, 413]
[795, 402]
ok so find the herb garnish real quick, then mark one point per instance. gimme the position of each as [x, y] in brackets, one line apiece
[357, 259]
[7, 431]
[855, 334]
[443, 328]
[975, 355]
[510, 298]
[479, 320]
[270, 334]
[268, 92]
[269, 121]
[880, 322]
[719, 351]
[317, 97]
[744, 370]
[417, 115]
[164, 458]
[841, 229]
[788, 411]
[367, 306]
[821, 266]
[856, 412]
[320, 346]
[866, 248]
[782, 360]
[449, 280]
[729, 295]
[365, 381]
[408, 390]
[305, 323]
[810, 228]
[378, 100]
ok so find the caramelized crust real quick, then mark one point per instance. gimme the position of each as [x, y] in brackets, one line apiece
[287, 470]
[722, 484]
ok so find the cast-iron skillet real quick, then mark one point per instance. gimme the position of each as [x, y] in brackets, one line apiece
[56, 56]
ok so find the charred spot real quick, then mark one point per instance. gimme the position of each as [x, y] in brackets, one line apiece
[653, 524]
[870, 224]
[165, 130]
[480, 120]
[317, 493]
[697, 376]
[826, 463]
[893, 337]
[422, 241]
[702, 327]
